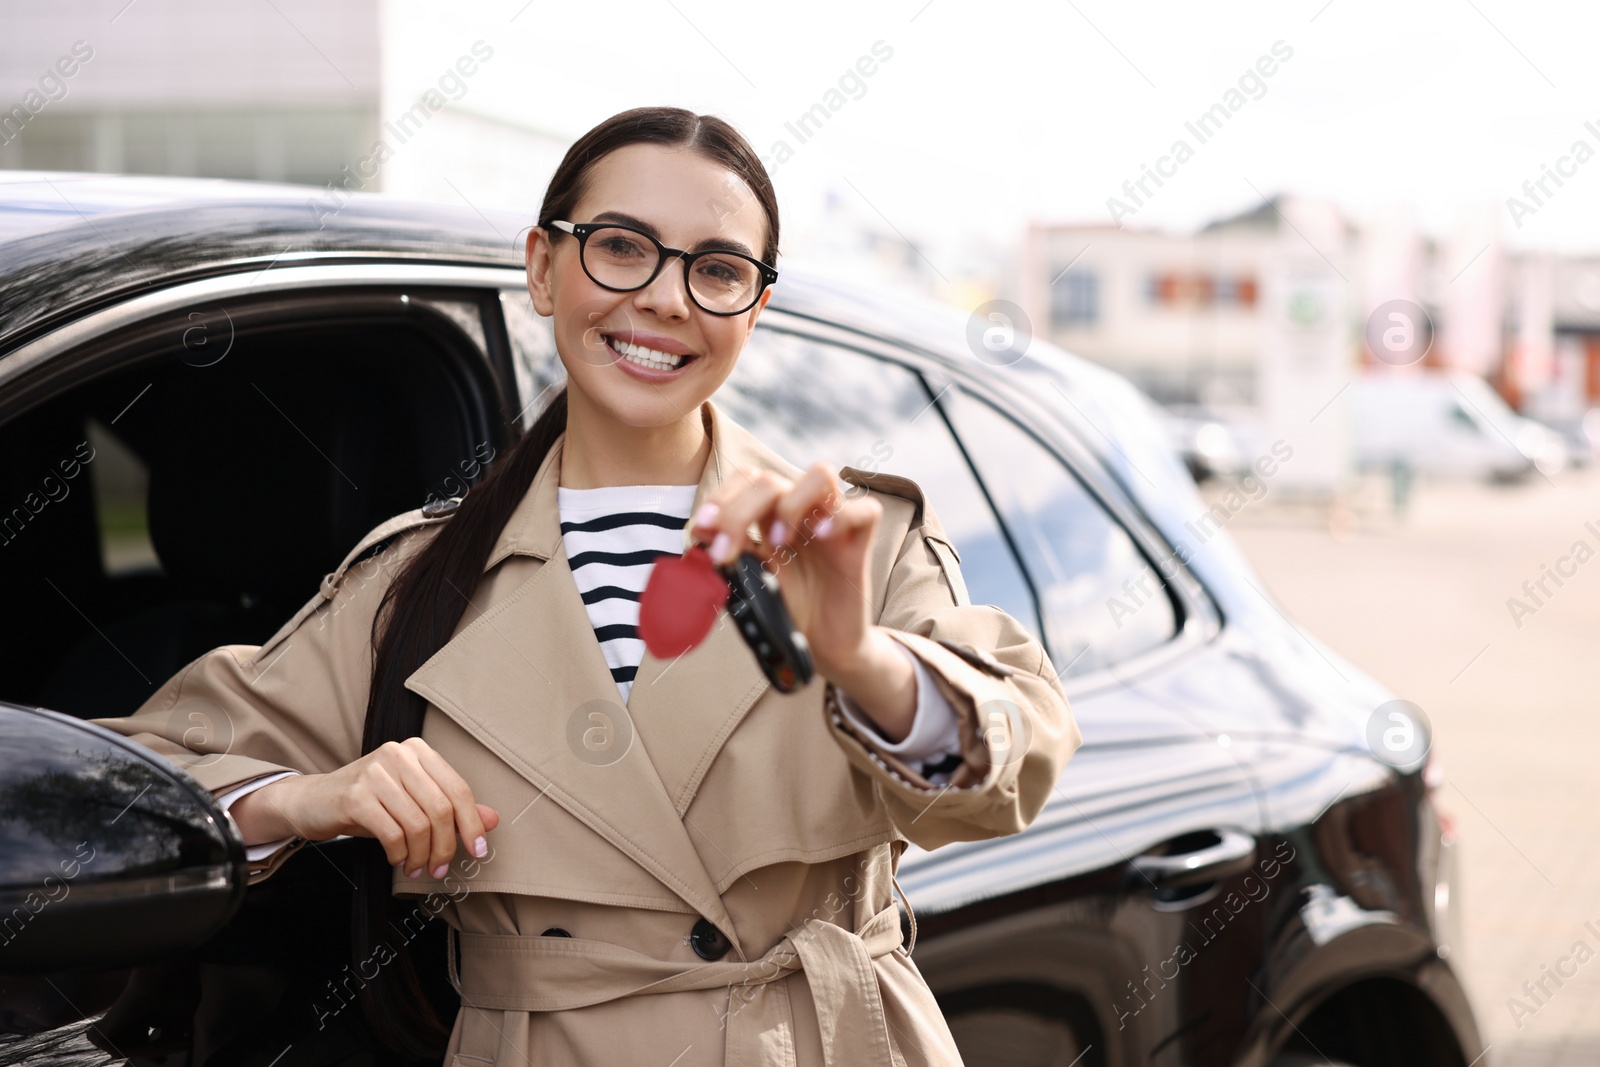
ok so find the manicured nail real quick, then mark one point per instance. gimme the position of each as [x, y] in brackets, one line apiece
[780, 532]
[414, 874]
[441, 870]
[721, 548]
[825, 527]
[480, 847]
[707, 514]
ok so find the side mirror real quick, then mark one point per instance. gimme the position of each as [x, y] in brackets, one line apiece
[109, 855]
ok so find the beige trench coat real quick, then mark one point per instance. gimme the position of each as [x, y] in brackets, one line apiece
[710, 795]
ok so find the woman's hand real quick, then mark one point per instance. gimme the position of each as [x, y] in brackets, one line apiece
[402, 793]
[818, 545]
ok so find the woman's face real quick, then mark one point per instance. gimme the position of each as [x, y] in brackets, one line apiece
[685, 201]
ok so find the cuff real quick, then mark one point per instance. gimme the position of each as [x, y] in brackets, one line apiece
[935, 729]
[256, 853]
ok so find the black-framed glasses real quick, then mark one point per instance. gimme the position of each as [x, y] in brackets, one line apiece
[623, 259]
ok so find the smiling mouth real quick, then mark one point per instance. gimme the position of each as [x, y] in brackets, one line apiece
[647, 357]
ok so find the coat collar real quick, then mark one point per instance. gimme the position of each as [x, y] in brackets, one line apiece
[534, 528]
[528, 680]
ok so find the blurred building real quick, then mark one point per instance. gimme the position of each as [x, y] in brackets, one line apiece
[1189, 317]
[160, 88]
[289, 91]
[1570, 380]
[1177, 314]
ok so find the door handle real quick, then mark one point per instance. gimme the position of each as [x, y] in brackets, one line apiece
[1203, 856]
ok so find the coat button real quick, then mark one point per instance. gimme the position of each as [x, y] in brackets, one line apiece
[708, 942]
[555, 931]
[434, 508]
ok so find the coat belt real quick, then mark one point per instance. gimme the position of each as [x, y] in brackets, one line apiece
[518, 972]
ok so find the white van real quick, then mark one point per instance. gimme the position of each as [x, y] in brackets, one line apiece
[1447, 424]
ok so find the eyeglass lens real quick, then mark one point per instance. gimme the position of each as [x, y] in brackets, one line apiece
[624, 259]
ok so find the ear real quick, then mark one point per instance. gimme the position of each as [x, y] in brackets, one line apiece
[537, 256]
[755, 312]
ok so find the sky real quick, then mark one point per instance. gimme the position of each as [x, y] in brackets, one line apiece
[979, 118]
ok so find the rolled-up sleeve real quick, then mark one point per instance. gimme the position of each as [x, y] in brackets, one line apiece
[934, 741]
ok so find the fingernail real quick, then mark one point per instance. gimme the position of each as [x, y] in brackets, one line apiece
[780, 532]
[414, 874]
[441, 870]
[707, 514]
[721, 548]
[825, 527]
[480, 847]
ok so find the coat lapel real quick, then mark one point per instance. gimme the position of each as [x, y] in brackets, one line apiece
[686, 707]
[528, 680]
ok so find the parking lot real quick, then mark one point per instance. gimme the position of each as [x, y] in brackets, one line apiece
[1423, 603]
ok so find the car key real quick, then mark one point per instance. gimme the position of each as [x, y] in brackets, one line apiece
[756, 607]
[680, 601]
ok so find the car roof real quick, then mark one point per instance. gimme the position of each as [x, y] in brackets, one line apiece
[69, 242]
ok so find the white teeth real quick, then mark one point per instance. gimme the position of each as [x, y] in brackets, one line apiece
[645, 357]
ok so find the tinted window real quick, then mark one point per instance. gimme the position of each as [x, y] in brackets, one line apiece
[1102, 600]
[162, 509]
[809, 401]
[121, 487]
[533, 354]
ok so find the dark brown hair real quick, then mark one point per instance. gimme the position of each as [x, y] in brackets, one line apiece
[429, 594]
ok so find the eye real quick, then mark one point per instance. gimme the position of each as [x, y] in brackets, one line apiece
[728, 271]
[619, 244]
[719, 271]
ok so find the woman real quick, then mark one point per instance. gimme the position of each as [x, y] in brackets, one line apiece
[702, 869]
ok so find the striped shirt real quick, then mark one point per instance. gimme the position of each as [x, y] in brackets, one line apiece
[613, 536]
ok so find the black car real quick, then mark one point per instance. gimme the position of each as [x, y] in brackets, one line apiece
[209, 391]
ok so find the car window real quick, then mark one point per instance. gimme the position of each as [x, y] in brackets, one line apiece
[121, 481]
[1102, 601]
[808, 400]
[155, 507]
[533, 353]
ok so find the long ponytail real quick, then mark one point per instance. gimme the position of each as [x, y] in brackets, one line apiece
[422, 607]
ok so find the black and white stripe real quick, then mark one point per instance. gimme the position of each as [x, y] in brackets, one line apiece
[613, 536]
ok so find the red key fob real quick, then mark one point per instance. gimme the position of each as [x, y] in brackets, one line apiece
[680, 602]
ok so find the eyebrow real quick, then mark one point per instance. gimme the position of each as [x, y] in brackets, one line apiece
[720, 244]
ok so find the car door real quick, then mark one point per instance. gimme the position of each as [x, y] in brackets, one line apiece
[1035, 950]
[1158, 818]
[177, 472]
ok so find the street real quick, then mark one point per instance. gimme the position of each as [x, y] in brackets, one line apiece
[1422, 604]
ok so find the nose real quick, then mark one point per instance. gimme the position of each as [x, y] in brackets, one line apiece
[667, 294]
